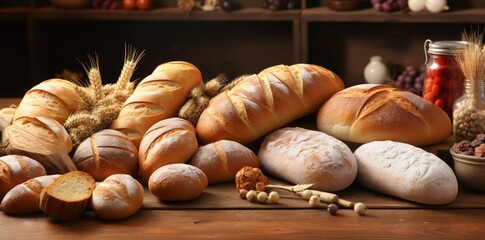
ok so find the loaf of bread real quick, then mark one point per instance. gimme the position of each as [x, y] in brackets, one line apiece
[405, 171]
[158, 96]
[177, 182]
[221, 160]
[6, 118]
[265, 102]
[118, 196]
[54, 98]
[67, 196]
[169, 141]
[370, 112]
[43, 139]
[16, 169]
[105, 153]
[301, 156]
[25, 197]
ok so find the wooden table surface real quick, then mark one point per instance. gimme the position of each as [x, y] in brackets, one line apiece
[220, 214]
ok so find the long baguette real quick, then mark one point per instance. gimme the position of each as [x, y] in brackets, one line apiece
[262, 103]
[159, 96]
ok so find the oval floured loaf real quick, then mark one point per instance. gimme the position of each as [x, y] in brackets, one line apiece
[405, 171]
[303, 156]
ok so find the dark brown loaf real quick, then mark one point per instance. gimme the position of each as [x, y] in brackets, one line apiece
[177, 182]
[169, 141]
[159, 96]
[370, 112]
[221, 160]
[262, 103]
[302, 156]
[25, 197]
[16, 169]
[105, 153]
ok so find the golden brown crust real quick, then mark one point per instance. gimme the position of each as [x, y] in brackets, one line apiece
[380, 112]
[262, 103]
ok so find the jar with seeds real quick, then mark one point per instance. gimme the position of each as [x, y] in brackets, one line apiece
[469, 111]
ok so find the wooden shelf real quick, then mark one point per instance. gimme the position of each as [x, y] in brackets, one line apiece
[13, 13]
[324, 14]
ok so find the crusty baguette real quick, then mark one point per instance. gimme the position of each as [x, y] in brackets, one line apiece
[43, 139]
[67, 197]
[25, 197]
[370, 112]
[265, 102]
[301, 156]
[118, 196]
[169, 141]
[54, 98]
[177, 182]
[16, 169]
[158, 96]
[105, 153]
[405, 171]
[221, 160]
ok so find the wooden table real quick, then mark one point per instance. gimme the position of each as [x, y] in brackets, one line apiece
[220, 214]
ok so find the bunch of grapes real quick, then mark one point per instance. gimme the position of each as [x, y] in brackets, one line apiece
[412, 79]
[280, 4]
[389, 5]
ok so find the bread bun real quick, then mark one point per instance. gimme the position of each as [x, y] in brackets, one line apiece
[169, 141]
[221, 160]
[265, 102]
[177, 182]
[25, 197]
[159, 96]
[67, 196]
[105, 153]
[118, 196]
[379, 112]
[302, 156]
[404, 171]
[16, 169]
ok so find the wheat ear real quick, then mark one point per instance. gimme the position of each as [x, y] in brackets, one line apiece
[132, 57]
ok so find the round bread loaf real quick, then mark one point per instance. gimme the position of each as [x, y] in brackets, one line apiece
[105, 153]
[25, 197]
[118, 196]
[168, 141]
[370, 112]
[301, 156]
[16, 169]
[405, 171]
[221, 160]
[177, 182]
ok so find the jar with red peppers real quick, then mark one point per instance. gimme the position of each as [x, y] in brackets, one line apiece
[444, 78]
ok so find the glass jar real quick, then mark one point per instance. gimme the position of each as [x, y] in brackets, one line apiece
[469, 111]
[444, 78]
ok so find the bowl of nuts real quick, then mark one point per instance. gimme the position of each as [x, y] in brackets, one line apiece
[469, 162]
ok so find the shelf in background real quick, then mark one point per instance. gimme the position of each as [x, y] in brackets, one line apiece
[13, 13]
[324, 14]
[169, 13]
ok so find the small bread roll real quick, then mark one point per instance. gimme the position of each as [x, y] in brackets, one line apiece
[16, 169]
[118, 196]
[68, 196]
[105, 153]
[25, 197]
[168, 141]
[177, 182]
[221, 160]
[405, 171]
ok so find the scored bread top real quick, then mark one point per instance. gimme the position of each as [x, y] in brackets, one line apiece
[72, 187]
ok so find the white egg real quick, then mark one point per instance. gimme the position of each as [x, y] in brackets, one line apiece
[436, 6]
[417, 5]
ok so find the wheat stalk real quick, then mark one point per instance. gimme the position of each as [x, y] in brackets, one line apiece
[132, 57]
[471, 60]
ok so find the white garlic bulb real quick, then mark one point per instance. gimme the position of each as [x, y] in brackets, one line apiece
[417, 5]
[436, 6]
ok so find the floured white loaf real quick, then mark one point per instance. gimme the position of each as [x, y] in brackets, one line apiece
[300, 156]
[265, 102]
[370, 112]
[221, 160]
[118, 196]
[404, 171]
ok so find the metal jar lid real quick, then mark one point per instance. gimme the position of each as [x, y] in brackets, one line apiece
[443, 47]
